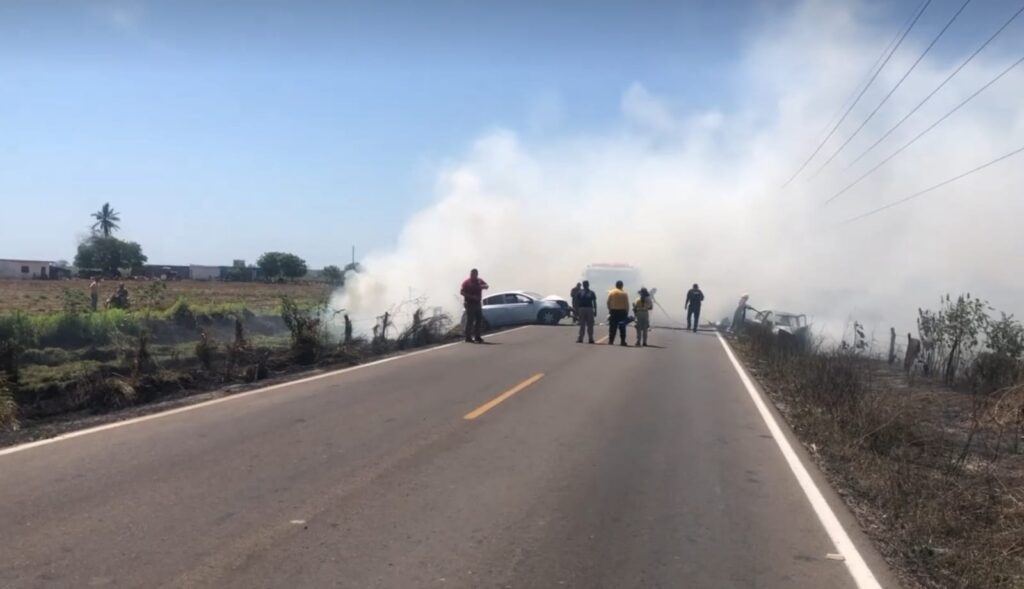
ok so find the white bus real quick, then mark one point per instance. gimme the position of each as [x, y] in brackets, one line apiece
[603, 277]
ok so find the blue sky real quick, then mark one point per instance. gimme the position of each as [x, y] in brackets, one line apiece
[224, 129]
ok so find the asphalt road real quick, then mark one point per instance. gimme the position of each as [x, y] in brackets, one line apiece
[459, 467]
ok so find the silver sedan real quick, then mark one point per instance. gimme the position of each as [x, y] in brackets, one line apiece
[522, 308]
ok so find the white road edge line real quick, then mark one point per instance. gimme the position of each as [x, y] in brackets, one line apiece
[859, 570]
[169, 412]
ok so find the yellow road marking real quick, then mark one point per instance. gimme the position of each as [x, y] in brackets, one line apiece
[495, 401]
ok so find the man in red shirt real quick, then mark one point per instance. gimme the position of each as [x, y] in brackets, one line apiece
[472, 296]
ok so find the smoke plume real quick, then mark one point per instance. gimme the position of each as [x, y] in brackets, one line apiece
[696, 196]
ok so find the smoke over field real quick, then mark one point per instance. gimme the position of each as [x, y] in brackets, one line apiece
[696, 196]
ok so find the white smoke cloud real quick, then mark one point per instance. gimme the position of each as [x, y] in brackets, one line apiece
[696, 196]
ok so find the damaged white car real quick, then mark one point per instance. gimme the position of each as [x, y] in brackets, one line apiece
[521, 307]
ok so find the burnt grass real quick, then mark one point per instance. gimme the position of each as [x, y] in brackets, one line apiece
[60, 390]
[935, 476]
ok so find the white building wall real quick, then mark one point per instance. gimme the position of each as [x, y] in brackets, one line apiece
[204, 272]
[14, 269]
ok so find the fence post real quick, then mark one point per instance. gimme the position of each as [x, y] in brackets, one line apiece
[892, 345]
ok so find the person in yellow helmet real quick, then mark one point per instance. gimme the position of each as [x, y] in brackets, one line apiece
[618, 313]
[642, 308]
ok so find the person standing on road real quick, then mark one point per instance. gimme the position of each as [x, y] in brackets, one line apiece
[586, 311]
[94, 294]
[693, 300]
[574, 299]
[618, 313]
[642, 308]
[739, 317]
[472, 298]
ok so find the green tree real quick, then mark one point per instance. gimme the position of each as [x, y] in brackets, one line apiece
[280, 264]
[109, 254]
[333, 275]
[1005, 337]
[106, 221]
[293, 266]
[959, 322]
[270, 264]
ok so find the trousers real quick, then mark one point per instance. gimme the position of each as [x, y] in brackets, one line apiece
[585, 316]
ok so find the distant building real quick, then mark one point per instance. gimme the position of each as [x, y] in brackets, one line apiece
[166, 272]
[25, 269]
[197, 272]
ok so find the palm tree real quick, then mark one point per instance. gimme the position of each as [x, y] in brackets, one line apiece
[106, 220]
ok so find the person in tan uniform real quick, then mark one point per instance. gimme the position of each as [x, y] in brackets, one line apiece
[642, 307]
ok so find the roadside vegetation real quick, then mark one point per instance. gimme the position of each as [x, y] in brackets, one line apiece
[35, 297]
[60, 365]
[62, 354]
[931, 457]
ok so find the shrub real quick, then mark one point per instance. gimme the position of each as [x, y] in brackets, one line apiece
[10, 355]
[424, 331]
[333, 275]
[17, 327]
[991, 372]
[8, 407]
[69, 330]
[204, 350]
[305, 328]
[105, 393]
[237, 351]
[180, 314]
[143, 361]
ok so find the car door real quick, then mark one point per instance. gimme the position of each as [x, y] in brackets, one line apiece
[519, 309]
[494, 310]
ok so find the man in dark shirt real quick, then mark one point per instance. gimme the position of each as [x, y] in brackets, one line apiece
[472, 297]
[574, 295]
[693, 300]
[586, 303]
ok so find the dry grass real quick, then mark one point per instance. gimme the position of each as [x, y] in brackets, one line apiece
[45, 296]
[935, 476]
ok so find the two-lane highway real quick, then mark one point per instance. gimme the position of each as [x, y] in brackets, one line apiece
[529, 461]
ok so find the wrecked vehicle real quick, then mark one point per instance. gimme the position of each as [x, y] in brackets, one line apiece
[520, 307]
[781, 323]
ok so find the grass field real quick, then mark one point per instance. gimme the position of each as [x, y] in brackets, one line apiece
[45, 296]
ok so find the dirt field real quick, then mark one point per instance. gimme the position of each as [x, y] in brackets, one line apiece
[41, 296]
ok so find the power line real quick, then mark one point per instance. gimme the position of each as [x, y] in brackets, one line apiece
[894, 88]
[923, 133]
[867, 76]
[861, 94]
[939, 87]
[939, 185]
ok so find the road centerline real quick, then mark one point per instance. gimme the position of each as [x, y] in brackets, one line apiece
[500, 398]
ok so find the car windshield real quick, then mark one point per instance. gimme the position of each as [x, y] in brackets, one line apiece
[533, 295]
[788, 320]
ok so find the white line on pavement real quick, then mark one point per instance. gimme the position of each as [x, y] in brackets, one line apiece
[859, 570]
[169, 412]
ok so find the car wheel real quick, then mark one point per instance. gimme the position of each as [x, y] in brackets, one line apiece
[548, 317]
